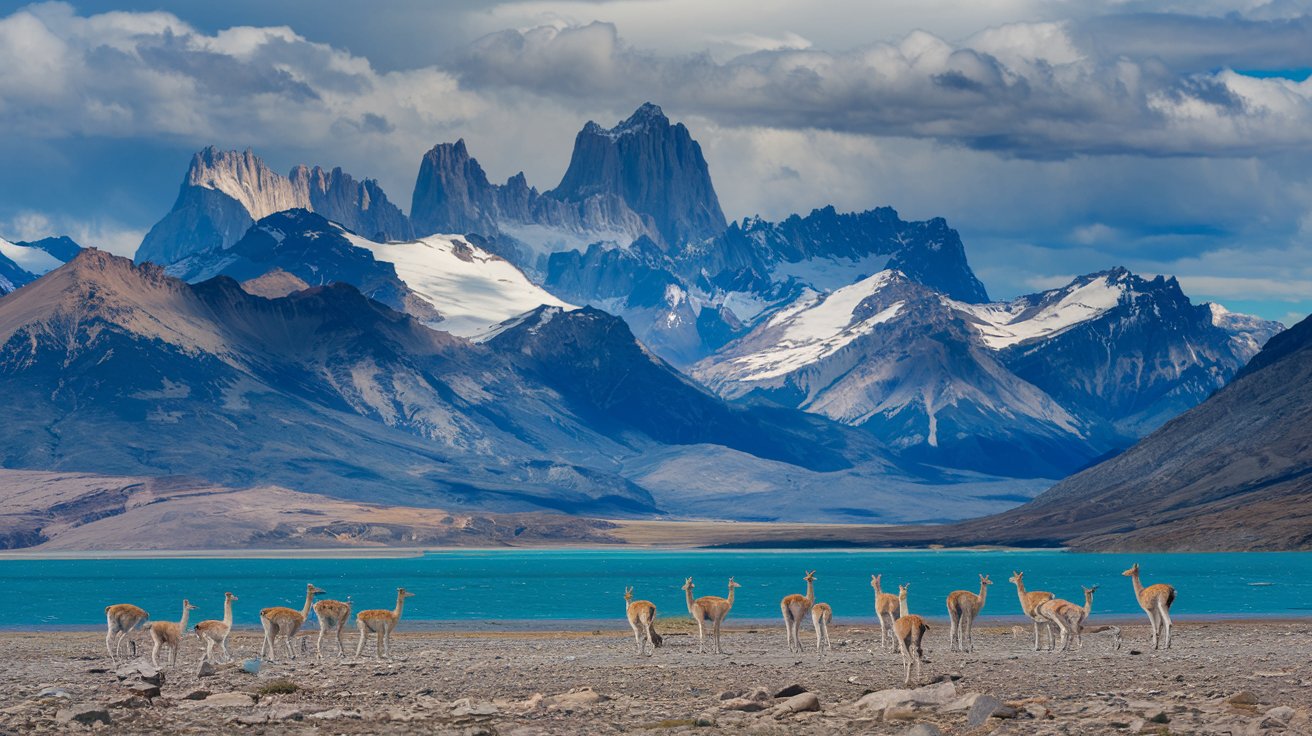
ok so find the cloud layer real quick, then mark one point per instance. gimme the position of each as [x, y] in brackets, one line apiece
[1060, 137]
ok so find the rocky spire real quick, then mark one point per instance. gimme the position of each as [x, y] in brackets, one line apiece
[654, 166]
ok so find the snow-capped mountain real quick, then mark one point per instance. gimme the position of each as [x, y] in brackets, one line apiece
[444, 281]
[1039, 385]
[225, 192]
[1130, 351]
[112, 367]
[23, 262]
[893, 356]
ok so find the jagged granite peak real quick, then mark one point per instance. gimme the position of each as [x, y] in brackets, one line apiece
[225, 192]
[827, 249]
[654, 166]
[454, 195]
[360, 206]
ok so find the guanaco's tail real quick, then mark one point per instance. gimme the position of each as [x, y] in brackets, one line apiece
[654, 637]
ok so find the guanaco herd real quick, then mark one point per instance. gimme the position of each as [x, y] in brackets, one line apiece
[278, 622]
[898, 627]
[906, 629]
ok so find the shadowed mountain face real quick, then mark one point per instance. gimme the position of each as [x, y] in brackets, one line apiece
[121, 369]
[1233, 473]
[654, 167]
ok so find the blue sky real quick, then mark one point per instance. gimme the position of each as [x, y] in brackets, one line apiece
[1058, 137]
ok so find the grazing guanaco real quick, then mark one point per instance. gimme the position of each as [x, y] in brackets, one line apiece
[710, 609]
[642, 619]
[909, 629]
[381, 623]
[168, 633]
[331, 615]
[1029, 602]
[821, 616]
[121, 620]
[886, 610]
[285, 622]
[1070, 619]
[1155, 600]
[216, 632]
[794, 608]
[963, 607]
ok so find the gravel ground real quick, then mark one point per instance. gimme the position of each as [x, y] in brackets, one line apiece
[1219, 678]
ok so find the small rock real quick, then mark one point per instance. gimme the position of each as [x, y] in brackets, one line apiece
[900, 713]
[746, 705]
[464, 707]
[54, 692]
[285, 713]
[579, 698]
[140, 671]
[1282, 713]
[800, 703]
[790, 691]
[704, 720]
[962, 703]
[223, 700]
[129, 701]
[207, 669]
[1005, 711]
[923, 729]
[981, 710]
[1157, 716]
[730, 694]
[1243, 697]
[144, 689]
[196, 695]
[86, 714]
[333, 714]
[251, 719]
[1038, 712]
[251, 666]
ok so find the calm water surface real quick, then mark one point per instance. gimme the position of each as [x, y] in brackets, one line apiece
[479, 588]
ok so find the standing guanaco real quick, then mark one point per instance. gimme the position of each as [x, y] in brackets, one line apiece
[217, 632]
[910, 632]
[794, 608]
[710, 609]
[1155, 600]
[886, 610]
[963, 607]
[642, 619]
[382, 623]
[121, 620]
[1029, 603]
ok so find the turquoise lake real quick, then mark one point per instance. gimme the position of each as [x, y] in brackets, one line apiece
[482, 588]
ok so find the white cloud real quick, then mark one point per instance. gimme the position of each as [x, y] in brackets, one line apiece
[109, 236]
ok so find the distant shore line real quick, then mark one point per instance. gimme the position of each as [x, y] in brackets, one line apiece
[408, 552]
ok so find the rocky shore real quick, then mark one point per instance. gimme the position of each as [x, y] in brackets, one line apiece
[1236, 677]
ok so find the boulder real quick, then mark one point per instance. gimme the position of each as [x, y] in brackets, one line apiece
[206, 669]
[465, 707]
[196, 695]
[85, 714]
[222, 700]
[981, 710]
[1243, 697]
[140, 671]
[790, 691]
[1281, 713]
[923, 729]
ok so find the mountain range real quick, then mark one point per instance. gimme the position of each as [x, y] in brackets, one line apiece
[120, 369]
[611, 346]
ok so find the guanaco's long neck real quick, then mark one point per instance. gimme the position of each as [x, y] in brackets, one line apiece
[1088, 602]
[309, 601]
[400, 604]
[731, 589]
[227, 612]
[1138, 585]
[983, 593]
[1020, 593]
[186, 613]
[902, 605]
[810, 591]
[688, 593]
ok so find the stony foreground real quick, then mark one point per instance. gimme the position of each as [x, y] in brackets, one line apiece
[1220, 678]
